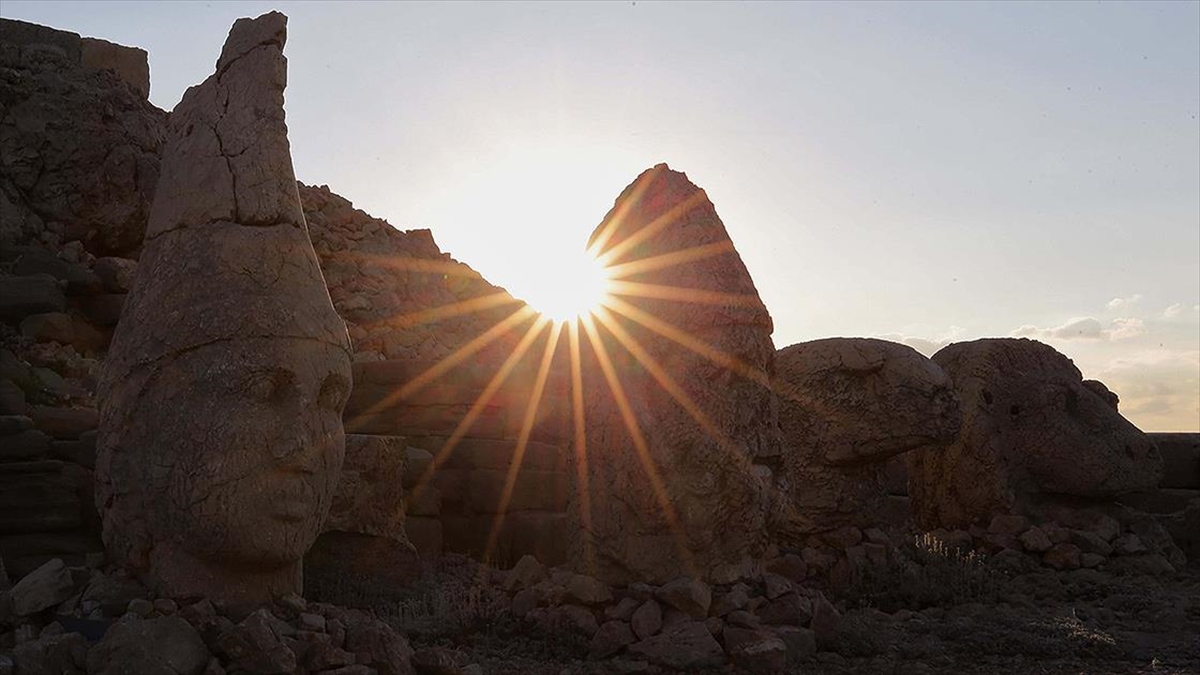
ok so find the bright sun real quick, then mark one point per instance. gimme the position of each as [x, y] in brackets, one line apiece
[569, 288]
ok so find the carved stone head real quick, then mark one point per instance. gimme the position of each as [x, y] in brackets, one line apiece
[1032, 429]
[220, 435]
[847, 405]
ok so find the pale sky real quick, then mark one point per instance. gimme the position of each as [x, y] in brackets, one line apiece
[924, 172]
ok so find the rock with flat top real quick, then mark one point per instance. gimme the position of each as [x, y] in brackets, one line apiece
[81, 144]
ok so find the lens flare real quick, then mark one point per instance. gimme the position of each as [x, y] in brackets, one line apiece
[571, 288]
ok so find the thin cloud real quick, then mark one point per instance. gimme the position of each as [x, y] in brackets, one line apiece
[1160, 388]
[1123, 329]
[1124, 303]
[1085, 328]
[926, 346]
[1173, 311]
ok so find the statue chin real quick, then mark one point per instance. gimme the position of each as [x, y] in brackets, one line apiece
[176, 573]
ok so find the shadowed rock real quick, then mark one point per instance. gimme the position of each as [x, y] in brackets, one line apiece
[847, 405]
[700, 289]
[364, 533]
[1031, 427]
[220, 434]
[81, 148]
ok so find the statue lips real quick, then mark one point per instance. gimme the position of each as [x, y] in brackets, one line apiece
[294, 497]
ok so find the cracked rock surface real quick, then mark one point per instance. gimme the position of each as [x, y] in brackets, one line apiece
[1031, 428]
[79, 149]
[220, 434]
[846, 406]
[678, 496]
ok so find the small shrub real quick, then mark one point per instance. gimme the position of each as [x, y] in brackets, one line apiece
[925, 572]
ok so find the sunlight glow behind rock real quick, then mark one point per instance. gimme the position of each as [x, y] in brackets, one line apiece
[566, 288]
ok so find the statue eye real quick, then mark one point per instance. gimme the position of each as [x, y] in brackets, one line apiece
[334, 391]
[271, 385]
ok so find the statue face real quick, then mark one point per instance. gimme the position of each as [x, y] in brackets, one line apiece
[1109, 454]
[242, 447]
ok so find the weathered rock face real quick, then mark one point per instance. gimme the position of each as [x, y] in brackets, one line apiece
[364, 532]
[1030, 427]
[676, 495]
[401, 296]
[80, 142]
[220, 433]
[846, 406]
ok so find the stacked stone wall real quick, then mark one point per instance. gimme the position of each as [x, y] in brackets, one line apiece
[455, 489]
[57, 311]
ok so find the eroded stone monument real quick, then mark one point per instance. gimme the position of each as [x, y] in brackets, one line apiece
[1033, 430]
[221, 437]
[679, 494]
[847, 405]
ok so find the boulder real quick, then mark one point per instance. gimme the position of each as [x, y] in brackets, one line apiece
[79, 280]
[527, 572]
[161, 645]
[24, 446]
[647, 619]
[690, 596]
[221, 439]
[377, 645]
[610, 638]
[114, 592]
[64, 423]
[116, 274]
[63, 654]
[687, 647]
[792, 609]
[12, 398]
[42, 588]
[758, 652]
[256, 646]
[1031, 431]
[847, 406]
[585, 590]
[673, 429]
[25, 296]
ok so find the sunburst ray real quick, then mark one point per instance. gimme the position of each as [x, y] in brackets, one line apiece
[672, 387]
[600, 239]
[478, 343]
[442, 312]
[639, 440]
[583, 490]
[613, 254]
[420, 265]
[700, 296]
[535, 397]
[464, 425]
[672, 259]
[683, 338]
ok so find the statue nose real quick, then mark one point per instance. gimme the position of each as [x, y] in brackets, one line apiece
[292, 449]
